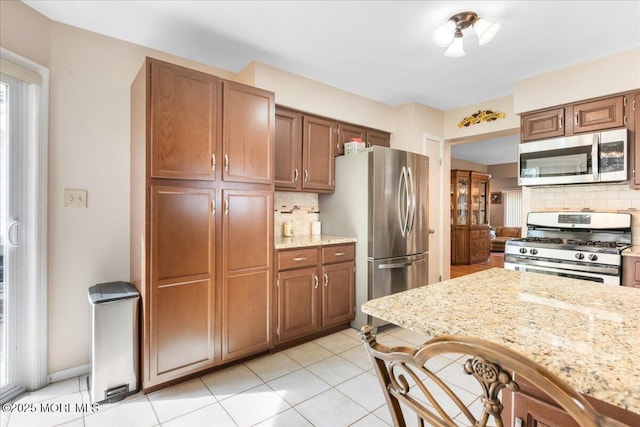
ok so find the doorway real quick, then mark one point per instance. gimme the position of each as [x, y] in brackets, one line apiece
[23, 89]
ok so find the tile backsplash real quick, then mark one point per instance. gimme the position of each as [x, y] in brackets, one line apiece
[301, 208]
[597, 197]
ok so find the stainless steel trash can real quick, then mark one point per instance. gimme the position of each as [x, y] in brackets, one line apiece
[114, 345]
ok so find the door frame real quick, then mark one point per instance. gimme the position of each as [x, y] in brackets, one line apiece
[32, 352]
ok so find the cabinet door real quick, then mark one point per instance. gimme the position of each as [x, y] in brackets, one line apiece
[297, 302]
[598, 115]
[247, 134]
[183, 106]
[543, 124]
[460, 245]
[631, 271]
[634, 143]
[480, 245]
[247, 227]
[318, 142]
[180, 327]
[288, 146]
[345, 133]
[536, 413]
[377, 137]
[338, 293]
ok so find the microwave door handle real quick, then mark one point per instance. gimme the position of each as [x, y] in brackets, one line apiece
[595, 157]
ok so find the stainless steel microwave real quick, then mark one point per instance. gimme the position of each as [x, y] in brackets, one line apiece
[593, 157]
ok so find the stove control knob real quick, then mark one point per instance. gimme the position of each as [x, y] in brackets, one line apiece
[523, 250]
[593, 257]
[579, 255]
[533, 251]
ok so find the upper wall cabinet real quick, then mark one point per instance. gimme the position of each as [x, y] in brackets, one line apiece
[571, 119]
[288, 148]
[378, 137]
[184, 105]
[305, 147]
[597, 115]
[542, 124]
[247, 134]
[318, 142]
[345, 133]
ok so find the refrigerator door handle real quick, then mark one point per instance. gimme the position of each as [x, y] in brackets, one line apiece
[398, 265]
[412, 202]
[403, 214]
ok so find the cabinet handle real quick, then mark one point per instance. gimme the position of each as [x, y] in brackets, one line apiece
[226, 163]
[339, 254]
[326, 280]
[561, 120]
[295, 175]
[306, 175]
[213, 207]
[316, 279]
[575, 120]
[226, 206]
[213, 163]
[300, 258]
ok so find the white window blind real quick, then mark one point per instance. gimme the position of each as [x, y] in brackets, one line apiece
[512, 202]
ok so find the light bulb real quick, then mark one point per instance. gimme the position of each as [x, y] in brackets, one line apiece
[485, 30]
[444, 34]
[456, 49]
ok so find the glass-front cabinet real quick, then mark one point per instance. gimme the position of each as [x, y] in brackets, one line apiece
[470, 239]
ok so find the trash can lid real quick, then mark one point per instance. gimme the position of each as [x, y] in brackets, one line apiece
[111, 291]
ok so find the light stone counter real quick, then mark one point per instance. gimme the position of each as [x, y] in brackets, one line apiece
[632, 251]
[310, 240]
[586, 333]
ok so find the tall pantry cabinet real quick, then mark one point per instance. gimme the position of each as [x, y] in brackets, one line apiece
[202, 155]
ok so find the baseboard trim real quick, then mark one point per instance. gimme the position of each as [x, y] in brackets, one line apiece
[65, 374]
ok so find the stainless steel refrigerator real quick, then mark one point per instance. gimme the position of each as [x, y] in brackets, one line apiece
[381, 197]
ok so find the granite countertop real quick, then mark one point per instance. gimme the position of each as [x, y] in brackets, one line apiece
[586, 333]
[632, 251]
[310, 240]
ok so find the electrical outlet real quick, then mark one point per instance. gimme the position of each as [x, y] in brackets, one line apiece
[75, 198]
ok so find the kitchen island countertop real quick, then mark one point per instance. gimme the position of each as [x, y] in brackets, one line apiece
[310, 240]
[586, 333]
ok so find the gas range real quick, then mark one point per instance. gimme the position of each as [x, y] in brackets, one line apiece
[583, 245]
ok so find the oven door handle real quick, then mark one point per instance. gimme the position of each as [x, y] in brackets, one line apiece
[565, 266]
[595, 157]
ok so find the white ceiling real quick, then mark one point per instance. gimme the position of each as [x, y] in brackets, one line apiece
[378, 49]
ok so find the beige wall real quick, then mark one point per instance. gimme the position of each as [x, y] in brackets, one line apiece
[604, 76]
[502, 176]
[467, 165]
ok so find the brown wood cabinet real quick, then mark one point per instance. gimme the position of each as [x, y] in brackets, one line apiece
[247, 239]
[201, 227]
[542, 124]
[470, 239]
[182, 287]
[318, 141]
[533, 412]
[315, 290]
[378, 137]
[247, 134]
[305, 150]
[346, 132]
[631, 271]
[597, 115]
[571, 119]
[634, 140]
[184, 105]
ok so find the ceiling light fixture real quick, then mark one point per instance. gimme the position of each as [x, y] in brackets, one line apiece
[450, 34]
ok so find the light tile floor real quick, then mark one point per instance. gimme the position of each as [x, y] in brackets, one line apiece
[326, 382]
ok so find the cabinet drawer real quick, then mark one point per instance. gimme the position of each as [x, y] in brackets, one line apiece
[337, 253]
[297, 258]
